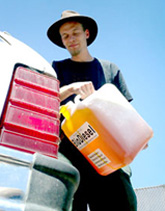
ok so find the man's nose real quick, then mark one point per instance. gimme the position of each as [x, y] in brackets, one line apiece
[71, 38]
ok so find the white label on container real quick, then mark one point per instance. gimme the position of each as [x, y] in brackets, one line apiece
[84, 135]
[98, 158]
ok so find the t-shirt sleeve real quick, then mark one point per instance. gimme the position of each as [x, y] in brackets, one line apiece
[113, 75]
[55, 67]
[119, 82]
[58, 70]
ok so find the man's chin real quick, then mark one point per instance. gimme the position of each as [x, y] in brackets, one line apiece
[74, 53]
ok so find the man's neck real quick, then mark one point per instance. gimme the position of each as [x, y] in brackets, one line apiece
[82, 58]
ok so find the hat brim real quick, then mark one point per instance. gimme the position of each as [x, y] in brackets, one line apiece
[89, 23]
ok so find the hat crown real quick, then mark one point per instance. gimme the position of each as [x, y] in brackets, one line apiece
[69, 13]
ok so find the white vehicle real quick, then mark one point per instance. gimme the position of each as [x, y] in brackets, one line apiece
[31, 178]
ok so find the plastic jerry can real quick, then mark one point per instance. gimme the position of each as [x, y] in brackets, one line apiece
[106, 129]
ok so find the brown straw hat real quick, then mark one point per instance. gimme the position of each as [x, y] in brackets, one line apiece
[89, 23]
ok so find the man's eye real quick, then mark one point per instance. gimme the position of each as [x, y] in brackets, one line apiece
[64, 37]
[76, 33]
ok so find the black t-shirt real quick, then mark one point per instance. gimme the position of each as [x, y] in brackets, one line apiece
[69, 71]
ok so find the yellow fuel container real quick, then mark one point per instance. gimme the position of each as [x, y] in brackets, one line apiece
[106, 129]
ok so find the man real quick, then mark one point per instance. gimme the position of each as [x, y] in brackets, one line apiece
[82, 74]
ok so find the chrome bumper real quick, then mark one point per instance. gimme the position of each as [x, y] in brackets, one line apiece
[35, 182]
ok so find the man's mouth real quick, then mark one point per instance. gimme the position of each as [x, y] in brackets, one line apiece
[73, 45]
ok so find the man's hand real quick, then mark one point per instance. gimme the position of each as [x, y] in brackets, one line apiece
[84, 89]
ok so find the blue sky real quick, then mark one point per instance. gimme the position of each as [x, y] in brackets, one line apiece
[132, 35]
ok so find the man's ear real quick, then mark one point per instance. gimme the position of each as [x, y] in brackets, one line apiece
[87, 33]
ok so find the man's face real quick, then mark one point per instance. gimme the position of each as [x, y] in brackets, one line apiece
[74, 37]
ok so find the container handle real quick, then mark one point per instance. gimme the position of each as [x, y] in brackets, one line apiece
[77, 99]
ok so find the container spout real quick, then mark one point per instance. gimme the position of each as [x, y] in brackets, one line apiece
[66, 109]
